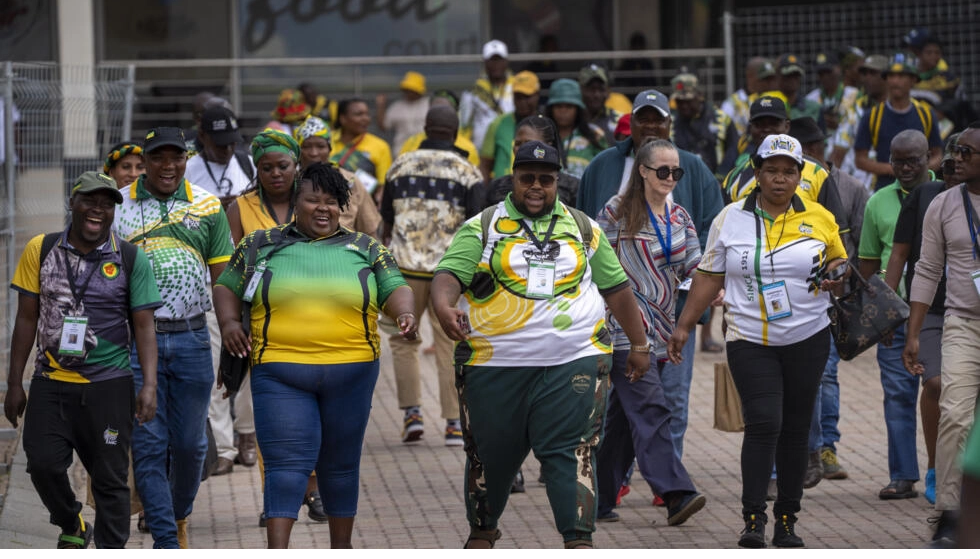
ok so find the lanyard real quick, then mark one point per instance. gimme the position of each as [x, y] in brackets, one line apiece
[272, 211]
[219, 184]
[541, 245]
[78, 290]
[664, 246]
[972, 220]
[760, 230]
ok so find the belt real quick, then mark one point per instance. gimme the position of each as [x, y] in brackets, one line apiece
[180, 324]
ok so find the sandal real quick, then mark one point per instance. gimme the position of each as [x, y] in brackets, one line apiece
[898, 489]
[489, 536]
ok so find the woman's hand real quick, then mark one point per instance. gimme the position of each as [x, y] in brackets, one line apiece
[676, 344]
[719, 299]
[835, 285]
[454, 322]
[637, 365]
[408, 326]
[234, 339]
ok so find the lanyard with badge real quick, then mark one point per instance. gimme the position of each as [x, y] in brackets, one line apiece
[665, 246]
[775, 294]
[74, 326]
[973, 221]
[541, 267]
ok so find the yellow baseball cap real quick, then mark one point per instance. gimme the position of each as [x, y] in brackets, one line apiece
[413, 81]
[526, 83]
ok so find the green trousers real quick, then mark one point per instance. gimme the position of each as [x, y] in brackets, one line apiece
[556, 411]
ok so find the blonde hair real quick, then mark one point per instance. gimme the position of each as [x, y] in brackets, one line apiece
[631, 213]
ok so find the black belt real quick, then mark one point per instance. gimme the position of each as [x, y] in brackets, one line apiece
[180, 324]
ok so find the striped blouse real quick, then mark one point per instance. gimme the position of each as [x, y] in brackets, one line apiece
[654, 284]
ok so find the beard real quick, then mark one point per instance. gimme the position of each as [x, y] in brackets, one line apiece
[527, 213]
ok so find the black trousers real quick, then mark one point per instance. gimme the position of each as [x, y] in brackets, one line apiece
[96, 421]
[778, 386]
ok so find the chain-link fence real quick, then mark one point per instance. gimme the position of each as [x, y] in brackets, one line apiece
[56, 121]
[876, 27]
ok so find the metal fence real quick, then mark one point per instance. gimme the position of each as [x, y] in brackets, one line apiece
[874, 26]
[57, 121]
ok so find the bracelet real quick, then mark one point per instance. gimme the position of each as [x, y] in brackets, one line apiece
[640, 348]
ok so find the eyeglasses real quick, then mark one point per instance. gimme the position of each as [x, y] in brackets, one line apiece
[528, 179]
[908, 162]
[965, 152]
[663, 172]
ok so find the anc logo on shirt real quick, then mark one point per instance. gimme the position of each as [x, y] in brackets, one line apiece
[110, 270]
[806, 228]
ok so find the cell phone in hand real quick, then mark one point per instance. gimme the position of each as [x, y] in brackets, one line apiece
[463, 322]
[835, 274]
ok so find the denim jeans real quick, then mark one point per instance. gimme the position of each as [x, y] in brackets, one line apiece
[312, 416]
[826, 408]
[901, 390]
[176, 434]
[676, 380]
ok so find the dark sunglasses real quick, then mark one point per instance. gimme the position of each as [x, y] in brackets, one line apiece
[966, 152]
[908, 162]
[528, 179]
[665, 171]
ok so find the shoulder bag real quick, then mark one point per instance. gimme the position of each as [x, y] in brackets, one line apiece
[865, 315]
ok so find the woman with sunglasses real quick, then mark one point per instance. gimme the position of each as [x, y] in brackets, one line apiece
[658, 248]
[772, 253]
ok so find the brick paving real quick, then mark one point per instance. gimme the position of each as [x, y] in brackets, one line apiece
[411, 494]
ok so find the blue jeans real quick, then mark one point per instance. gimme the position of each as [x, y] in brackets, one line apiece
[312, 417]
[826, 409]
[901, 393]
[676, 381]
[176, 434]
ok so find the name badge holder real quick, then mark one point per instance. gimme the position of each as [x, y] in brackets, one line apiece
[776, 298]
[73, 331]
[540, 270]
[253, 283]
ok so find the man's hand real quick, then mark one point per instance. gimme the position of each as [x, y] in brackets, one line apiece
[452, 321]
[14, 403]
[910, 356]
[146, 404]
[637, 365]
[676, 344]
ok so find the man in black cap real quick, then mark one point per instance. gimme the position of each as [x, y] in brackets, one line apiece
[882, 122]
[79, 293]
[824, 434]
[221, 167]
[789, 68]
[515, 261]
[185, 234]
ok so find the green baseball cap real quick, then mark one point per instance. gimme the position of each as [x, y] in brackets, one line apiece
[92, 181]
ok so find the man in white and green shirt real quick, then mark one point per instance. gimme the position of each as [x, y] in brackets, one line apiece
[533, 356]
[184, 232]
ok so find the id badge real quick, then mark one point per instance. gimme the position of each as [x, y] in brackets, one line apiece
[685, 285]
[253, 284]
[540, 279]
[776, 298]
[976, 280]
[367, 179]
[73, 335]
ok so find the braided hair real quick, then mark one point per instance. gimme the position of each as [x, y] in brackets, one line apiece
[548, 131]
[327, 179]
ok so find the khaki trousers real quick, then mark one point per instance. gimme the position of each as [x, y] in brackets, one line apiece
[405, 358]
[957, 405]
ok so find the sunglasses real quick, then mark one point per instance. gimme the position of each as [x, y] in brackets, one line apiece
[965, 152]
[663, 172]
[908, 162]
[528, 179]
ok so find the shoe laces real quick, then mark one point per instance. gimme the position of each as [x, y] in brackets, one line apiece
[751, 524]
[829, 457]
[787, 521]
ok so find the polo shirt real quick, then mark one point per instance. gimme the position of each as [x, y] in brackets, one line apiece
[369, 157]
[182, 236]
[498, 144]
[751, 249]
[893, 122]
[108, 296]
[318, 300]
[509, 328]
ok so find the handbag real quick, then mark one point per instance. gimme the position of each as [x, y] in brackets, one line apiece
[866, 314]
[728, 404]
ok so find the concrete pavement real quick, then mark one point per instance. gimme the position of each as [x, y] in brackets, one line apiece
[411, 495]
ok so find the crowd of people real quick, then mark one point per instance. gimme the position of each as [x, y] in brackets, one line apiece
[522, 209]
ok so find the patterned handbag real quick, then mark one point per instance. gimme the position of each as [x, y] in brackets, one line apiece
[866, 314]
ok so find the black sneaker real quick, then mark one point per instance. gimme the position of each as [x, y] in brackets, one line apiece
[80, 539]
[517, 486]
[679, 509]
[754, 534]
[263, 520]
[783, 534]
[945, 535]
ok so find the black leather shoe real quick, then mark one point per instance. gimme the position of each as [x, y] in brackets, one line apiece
[784, 533]
[681, 508]
[754, 534]
[222, 467]
[517, 486]
[263, 520]
[314, 507]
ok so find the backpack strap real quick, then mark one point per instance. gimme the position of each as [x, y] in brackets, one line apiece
[875, 121]
[50, 239]
[242, 157]
[128, 251]
[581, 220]
[925, 115]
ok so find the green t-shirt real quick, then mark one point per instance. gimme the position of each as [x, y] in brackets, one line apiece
[880, 215]
[509, 328]
[498, 144]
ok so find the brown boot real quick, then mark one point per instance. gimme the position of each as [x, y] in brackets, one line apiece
[246, 449]
[182, 533]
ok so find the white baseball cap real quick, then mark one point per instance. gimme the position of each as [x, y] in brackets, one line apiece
[494, 48]
[780, 144]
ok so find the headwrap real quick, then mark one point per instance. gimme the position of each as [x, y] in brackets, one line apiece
[312, 126]
[291, 107]
[121, 150]
[273, 140]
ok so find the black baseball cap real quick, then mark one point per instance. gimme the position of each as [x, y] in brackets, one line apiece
[163, 136]
[220, 125]
[823, 63]
[768, 106]
[537, 152]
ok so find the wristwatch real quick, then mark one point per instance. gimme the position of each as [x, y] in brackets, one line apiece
[645, 348]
